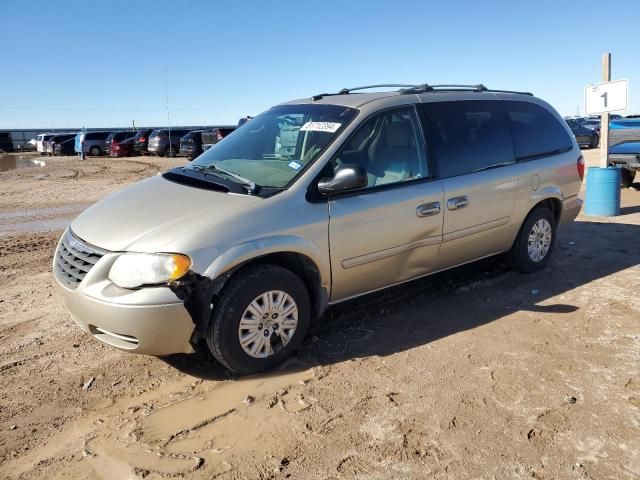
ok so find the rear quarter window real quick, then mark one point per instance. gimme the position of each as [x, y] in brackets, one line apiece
[536, 132]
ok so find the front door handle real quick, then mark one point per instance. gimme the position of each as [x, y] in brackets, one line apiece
[456, 203]
[428, 209]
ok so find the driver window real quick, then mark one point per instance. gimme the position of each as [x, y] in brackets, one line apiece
[389, 146]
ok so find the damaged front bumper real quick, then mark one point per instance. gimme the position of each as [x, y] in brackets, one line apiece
[151, 321]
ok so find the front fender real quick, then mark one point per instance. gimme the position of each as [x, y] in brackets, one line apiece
[274, 244]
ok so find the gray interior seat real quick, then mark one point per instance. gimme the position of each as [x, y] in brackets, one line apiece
[398, 161]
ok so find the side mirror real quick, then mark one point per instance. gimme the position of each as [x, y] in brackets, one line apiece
[347, 177]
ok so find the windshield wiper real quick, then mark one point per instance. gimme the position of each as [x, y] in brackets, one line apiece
[250, 185]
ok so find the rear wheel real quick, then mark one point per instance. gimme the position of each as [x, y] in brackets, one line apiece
[261, 319]
[626, 177]
[535, 241]
[595, 140]
[94, 151]
[169, 151]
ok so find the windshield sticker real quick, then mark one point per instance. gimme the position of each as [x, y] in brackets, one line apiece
[329, 127]
[295, 165]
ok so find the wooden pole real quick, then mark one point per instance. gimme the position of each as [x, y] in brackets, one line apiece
[604, 118]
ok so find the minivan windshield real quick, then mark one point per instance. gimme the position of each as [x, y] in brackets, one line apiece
[271, 149]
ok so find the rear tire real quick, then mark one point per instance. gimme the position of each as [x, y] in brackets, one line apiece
[626, 177]
[595, 140]
[534, 244]
[95, 151]
[273, 304]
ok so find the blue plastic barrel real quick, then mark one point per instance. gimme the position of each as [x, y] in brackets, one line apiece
[603, 192]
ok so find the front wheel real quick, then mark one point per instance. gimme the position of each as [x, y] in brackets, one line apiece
[595, 140]
[535, 241]
[94, 151]
[261, 319]
[626, 177]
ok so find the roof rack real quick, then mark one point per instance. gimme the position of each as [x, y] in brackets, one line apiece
[422, 88]
[425, 87]
[346, 91]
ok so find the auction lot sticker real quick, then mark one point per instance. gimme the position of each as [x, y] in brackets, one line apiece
[329, 127]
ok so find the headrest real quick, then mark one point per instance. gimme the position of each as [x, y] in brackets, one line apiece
[399, 134]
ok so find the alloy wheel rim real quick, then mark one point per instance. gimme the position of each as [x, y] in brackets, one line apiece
[268, 323]
[539, 241]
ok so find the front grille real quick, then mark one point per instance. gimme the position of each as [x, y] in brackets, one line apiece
[74, 259]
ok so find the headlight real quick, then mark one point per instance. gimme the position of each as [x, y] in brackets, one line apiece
[132, 270]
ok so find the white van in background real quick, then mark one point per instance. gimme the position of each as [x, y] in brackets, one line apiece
[40, 139]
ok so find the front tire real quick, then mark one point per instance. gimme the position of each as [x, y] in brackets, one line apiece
[534, 244]
[626, 177]
[260, 320]
[94, 151]
[595, 140]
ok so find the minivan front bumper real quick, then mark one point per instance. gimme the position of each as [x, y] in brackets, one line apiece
[151, 321]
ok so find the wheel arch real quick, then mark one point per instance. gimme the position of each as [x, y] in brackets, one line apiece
[296, 254]
[551, 200]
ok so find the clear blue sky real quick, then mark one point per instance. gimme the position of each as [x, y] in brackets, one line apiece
[92, 63]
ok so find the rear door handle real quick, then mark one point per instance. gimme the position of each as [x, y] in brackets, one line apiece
[428, 209]
[456, 203]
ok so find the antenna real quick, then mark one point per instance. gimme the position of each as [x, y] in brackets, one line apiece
[166, 91]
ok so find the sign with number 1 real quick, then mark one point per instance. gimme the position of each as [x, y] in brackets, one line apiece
[605, 97]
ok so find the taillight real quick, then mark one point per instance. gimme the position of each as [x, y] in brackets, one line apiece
[580, 166]
[142, 140]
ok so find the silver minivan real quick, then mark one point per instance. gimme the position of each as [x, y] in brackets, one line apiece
[314, 202]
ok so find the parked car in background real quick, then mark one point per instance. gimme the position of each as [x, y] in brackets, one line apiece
[114, 138]
[585, 137]
[122, 148]
[632, 116]
[166, 142]
[244, 247]
[212, 136]
[29, 146]
[93, 142]
[40, 142]
[65, 147]
[141, 141]
[56, 140]
[592, 124]
[191, 144]
[626, 156]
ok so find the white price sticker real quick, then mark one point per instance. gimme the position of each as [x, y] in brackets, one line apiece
[328, 127]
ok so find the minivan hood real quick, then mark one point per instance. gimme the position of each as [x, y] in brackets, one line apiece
[148, 216]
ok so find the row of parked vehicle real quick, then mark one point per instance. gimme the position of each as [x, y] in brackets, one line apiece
[587, 129]
[161, 142]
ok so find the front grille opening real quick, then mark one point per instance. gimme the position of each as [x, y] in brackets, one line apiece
[119, 340]
[74, 259]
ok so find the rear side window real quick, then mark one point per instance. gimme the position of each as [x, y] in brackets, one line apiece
[467, 136]
[536, 132]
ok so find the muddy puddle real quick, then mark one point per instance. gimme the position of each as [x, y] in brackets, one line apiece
[13, 162]
[39, 219]
[212, 428]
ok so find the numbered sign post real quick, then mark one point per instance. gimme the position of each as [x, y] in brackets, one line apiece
[605, 97]
[603, 183]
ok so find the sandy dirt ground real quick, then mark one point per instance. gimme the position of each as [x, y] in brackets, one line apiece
[478, 373]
